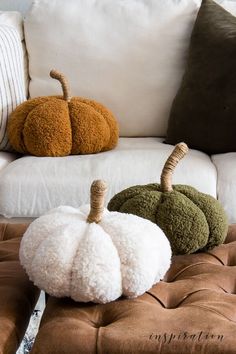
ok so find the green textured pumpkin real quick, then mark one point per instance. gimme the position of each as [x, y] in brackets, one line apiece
[191, 220]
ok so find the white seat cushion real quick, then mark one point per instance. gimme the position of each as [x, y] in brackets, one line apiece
[6, 158]
[32, 185]
[226, 182]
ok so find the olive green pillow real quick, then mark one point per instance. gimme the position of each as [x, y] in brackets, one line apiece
[203, 113]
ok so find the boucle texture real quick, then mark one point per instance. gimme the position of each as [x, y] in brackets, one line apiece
[191, 220]
[65, 255]
[60, 125]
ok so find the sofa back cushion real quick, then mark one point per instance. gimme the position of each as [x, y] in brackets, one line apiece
[129, 55]
[12, 85]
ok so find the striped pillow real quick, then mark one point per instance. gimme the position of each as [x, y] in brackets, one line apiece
[12, 87]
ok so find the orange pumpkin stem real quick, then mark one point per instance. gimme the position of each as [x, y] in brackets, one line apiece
[64, 84]
[177, 154]
[97, 199]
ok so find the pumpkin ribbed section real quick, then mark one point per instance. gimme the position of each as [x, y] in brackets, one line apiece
[190, 219]
[66, 256]
[62, 125]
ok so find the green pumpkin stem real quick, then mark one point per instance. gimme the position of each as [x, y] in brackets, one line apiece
[97, 198]
[64, 84]
[177, 154]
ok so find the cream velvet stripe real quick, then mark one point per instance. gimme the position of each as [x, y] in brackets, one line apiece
[12, 88]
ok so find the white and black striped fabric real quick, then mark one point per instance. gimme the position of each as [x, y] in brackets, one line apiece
[12, 87]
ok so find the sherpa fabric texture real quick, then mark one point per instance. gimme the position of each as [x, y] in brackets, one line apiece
[67, 257]
[191, 220]
[51, 126]
[203, 113]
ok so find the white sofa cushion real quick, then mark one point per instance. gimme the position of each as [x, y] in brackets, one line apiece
[226, 182]
[128, 55]
[31, 185]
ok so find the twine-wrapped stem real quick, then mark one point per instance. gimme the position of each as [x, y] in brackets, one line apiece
[64, 84]
[97, 198]
[177, 154]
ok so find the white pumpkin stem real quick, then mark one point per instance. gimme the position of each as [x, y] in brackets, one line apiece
[64, 84]
[177, 154]
[97, 198]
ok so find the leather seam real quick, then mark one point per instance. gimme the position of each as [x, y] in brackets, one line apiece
[97, 336]
[213, 255]
[186, 268]
[4, 232]
[211, 310]
[156, 298]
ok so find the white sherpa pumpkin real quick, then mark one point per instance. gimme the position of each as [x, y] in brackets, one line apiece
[97, 257]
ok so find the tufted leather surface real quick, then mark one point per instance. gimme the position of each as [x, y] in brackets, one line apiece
[192, 311]
[18, 296]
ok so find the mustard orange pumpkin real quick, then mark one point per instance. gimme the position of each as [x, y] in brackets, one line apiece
[62, 125]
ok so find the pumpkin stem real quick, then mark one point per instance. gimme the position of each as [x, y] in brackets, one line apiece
[177, 154]
[64, 84]
[97, 197]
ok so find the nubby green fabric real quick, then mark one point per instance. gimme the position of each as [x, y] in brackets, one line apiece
[203, 113]
[191, 220]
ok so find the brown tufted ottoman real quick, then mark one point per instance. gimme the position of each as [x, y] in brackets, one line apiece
[192, 311]
[18, 296]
